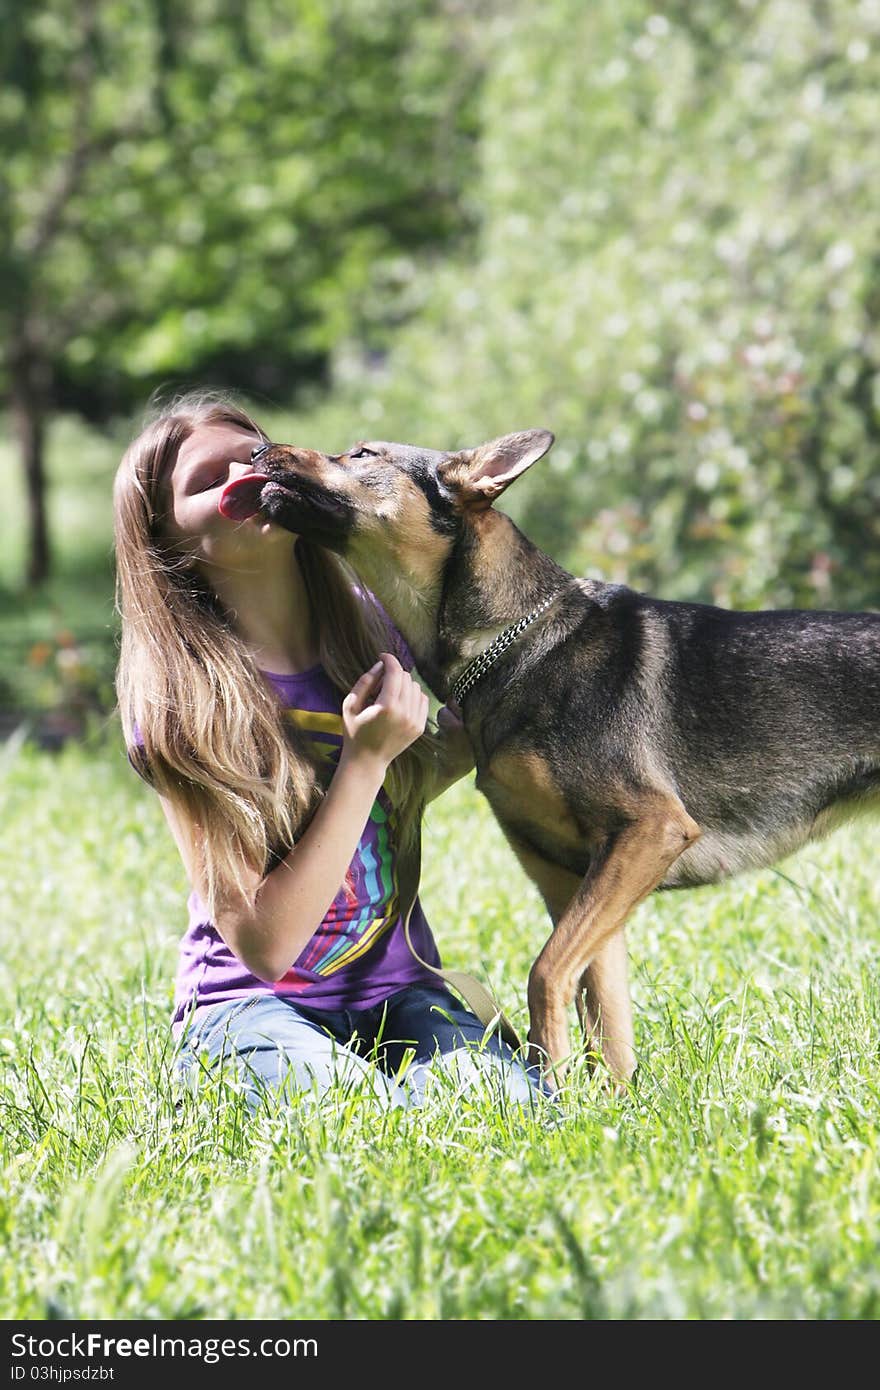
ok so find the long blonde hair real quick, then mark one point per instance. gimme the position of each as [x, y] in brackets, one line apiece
[200, 721]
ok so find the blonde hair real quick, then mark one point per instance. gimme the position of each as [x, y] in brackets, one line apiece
[199, 719]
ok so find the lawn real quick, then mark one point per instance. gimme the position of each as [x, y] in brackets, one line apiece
[738, 1178]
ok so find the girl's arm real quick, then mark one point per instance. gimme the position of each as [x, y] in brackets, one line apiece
[290, 902]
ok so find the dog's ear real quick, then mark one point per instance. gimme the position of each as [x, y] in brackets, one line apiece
[482, 474]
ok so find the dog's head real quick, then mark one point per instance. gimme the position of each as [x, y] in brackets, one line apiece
[396, 501]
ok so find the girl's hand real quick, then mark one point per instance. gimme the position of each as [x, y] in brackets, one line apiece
[383, 713]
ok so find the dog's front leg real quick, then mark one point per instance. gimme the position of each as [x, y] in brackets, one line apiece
[623, 870]
[604, 1007]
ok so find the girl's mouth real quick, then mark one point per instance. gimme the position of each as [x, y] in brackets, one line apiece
[241, 498]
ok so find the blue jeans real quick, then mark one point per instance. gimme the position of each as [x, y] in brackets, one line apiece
[395, 1050]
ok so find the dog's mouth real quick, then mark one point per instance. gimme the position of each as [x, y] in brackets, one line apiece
[292, 502]
[241, 498]
[247, 496]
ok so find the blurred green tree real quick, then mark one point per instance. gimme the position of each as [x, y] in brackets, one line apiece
[678, 271]
[213, 190]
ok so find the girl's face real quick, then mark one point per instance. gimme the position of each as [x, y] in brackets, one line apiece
[211, 457]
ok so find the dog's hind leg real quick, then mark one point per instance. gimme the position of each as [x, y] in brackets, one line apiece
[624, 869]
[604, 1007]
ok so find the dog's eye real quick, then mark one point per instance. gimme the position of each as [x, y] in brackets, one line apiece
[362, 452]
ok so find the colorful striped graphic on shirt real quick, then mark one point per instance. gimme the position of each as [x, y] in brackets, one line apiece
[367, 905]
[325, 730]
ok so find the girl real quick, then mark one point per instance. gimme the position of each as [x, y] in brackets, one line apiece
[268, 701]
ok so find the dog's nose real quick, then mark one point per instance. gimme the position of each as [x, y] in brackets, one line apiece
[260, 450]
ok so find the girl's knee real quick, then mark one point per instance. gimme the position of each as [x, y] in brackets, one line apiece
[273, 1076]
[466, 1069]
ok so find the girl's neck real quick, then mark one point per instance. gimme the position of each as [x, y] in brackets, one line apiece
[270, 610]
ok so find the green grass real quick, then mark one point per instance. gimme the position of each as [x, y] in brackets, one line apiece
[739, 1179]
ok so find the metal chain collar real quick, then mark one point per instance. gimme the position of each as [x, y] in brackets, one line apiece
[477, 668]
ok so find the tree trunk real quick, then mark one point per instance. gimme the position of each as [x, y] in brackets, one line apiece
[29, 393]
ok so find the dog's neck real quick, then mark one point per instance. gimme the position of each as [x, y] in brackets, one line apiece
[493, 575]
[411, 603]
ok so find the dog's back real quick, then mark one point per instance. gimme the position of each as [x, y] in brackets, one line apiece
[766, 725]
[772, 728]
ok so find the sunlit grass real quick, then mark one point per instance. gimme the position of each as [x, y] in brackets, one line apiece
[738, 1179]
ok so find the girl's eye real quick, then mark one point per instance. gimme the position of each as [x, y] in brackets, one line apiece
[214, 475]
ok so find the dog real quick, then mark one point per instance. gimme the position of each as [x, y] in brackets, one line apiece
[625, 743]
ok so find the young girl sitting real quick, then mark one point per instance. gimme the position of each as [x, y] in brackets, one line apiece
[267, 699]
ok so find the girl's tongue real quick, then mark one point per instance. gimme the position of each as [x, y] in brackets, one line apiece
[241, 499]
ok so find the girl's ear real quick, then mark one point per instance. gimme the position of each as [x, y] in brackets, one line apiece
[480, 475]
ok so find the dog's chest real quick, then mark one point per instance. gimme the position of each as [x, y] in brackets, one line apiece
[530, 808]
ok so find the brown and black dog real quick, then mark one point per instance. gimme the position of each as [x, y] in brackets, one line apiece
[624, 743]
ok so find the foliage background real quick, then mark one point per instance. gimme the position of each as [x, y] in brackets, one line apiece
[650, 228]
[677, 271]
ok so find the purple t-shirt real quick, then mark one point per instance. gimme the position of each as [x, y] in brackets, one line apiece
[358, 955]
